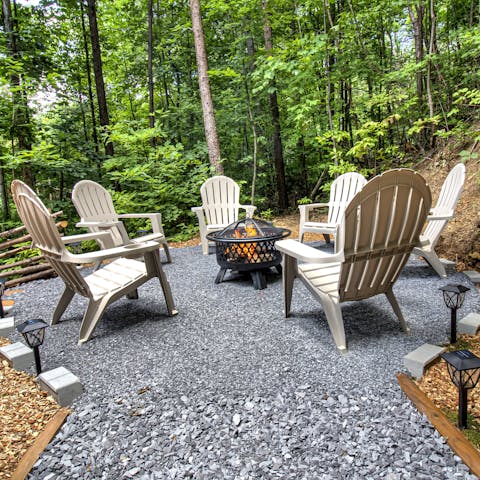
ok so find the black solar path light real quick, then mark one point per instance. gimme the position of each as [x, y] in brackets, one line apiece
[464, 370]
[2, 291]
[453, 296]
[33, 332]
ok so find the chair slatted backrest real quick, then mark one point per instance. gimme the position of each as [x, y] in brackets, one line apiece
[220, 200]
[342, 190]
[382, 225]
[93, 202]
[447, 200]
[44, 232]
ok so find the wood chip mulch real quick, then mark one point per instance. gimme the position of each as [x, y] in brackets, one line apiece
[438, 386]
[25, 410]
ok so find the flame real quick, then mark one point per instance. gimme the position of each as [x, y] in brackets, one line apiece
[248, 250]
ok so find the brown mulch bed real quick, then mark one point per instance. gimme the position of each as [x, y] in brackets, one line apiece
[438, 387]
[25, 410]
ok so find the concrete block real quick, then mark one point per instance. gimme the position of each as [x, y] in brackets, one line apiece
[469, 324]
[18, 355]
[473, 276]
[61, 384]
[416, 361]
[7, 326]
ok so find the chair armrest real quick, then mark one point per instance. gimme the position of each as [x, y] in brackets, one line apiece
[249, 209]
[307, 254]
[104, 225]
[84, 236]
[130, 250]
[440, 214]
[155, 219]
[305, 210]
[310, 206]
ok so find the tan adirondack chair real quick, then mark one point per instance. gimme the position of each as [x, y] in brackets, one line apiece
[220, 206]
[104, 239]
[342, 190]
[439, 217]
[97, 213]
[381, 226]
[121, 276]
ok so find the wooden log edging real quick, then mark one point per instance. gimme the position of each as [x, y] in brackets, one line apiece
[453, 436]
[44, 438]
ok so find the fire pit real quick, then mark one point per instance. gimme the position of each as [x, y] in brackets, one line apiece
[248, 246]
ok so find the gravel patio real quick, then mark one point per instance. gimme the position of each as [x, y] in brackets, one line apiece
[229, 389]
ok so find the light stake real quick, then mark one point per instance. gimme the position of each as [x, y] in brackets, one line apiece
[2, 291]
[464, 370]
[453, 296]
[33, 332]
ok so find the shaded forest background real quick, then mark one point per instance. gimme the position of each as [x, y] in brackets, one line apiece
[302, 91]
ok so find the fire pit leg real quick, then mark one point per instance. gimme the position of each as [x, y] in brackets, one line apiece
[220, 275]
[258, 279]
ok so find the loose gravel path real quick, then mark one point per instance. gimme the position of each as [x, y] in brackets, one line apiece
[229, 389]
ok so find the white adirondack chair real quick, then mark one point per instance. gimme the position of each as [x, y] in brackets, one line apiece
[342, 190]
[97, 213]
[220, 206]
[381, 226]
[439, 217]
[121, 276]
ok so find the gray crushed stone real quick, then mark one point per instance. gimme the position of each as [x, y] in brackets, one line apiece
[230, 389]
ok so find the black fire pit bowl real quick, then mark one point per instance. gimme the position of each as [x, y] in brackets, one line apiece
[248, 246]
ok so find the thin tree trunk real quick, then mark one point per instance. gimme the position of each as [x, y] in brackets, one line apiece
[89, 79]
[275, 112]
[98, 73]
[417, 23]
[151, 99]
[329, 82]
[431, 51]
[209, 122]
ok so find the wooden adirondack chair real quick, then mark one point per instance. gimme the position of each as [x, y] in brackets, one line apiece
[121, 276]
[439, 217]
[382, 224]
[220, 206]
[97, 213]
[343, 189]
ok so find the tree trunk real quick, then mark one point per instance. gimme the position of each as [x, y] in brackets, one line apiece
[89, 79]
[432, 49]
[98, 73]
[151, 100]
[276, 136]
[417, 23]
[209, 122]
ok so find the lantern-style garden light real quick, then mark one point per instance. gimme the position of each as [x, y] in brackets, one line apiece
[464, 370]
[33, 332]
[453, 296]
[2, 291]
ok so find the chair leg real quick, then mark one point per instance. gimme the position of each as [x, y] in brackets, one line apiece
[62, 305]
[91, 318]
[301, 234]
[433, 260]
[396, 308]
[167, 252]
[153, 259]
[333, 312]
[289, 269]
[204, 245]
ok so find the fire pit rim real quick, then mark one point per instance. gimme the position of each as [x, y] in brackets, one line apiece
[279, 233]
